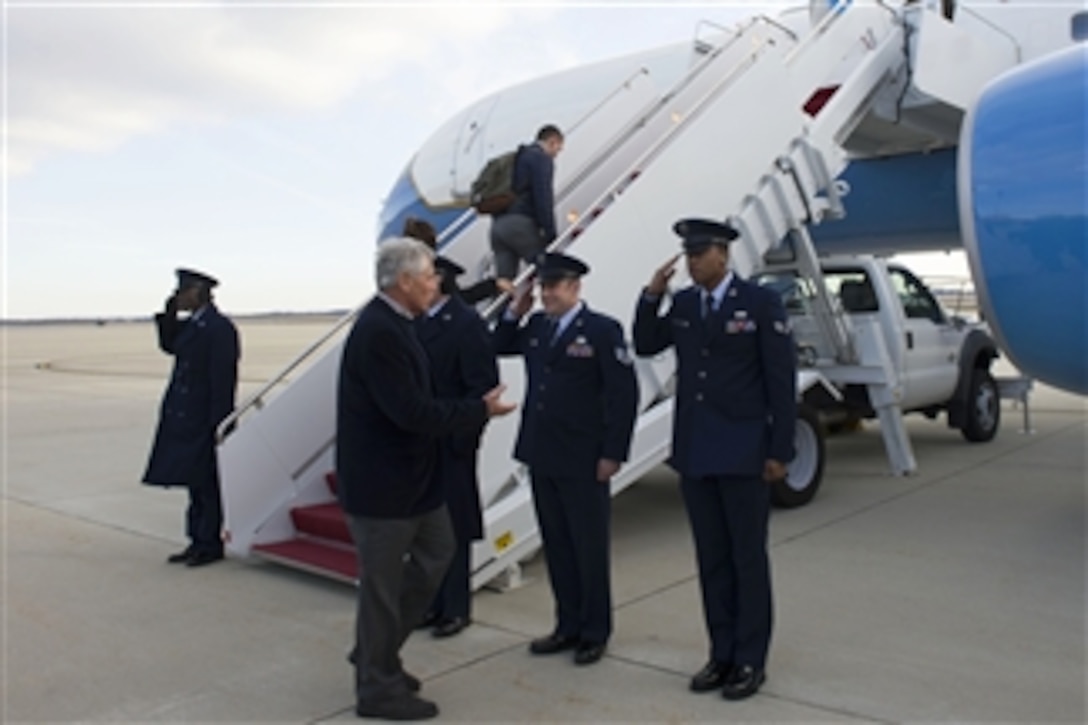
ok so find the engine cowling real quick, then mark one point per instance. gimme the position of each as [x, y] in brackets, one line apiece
[1023, 193]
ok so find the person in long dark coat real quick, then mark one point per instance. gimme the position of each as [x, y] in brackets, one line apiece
[388, 427]
[463, 365]
[199, 396]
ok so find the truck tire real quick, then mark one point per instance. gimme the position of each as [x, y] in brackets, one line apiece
[983, 415]
[805, 472]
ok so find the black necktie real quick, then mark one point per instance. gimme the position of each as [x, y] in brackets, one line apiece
[708, 305]
[553, 330]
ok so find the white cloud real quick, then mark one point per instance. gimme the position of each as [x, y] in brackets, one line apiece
[87, 79]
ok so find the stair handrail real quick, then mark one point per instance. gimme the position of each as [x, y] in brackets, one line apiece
[256, 400]
[677, 87]
[564, 240]
[624, 85]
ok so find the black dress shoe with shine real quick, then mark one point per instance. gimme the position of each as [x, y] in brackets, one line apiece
[203, 558]
[711, 677]
[405, 707]
[552, 643]
[181, 557]
[588, 652]
[450, 627]
[743, 682]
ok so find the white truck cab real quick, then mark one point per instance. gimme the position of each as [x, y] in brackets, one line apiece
[932, 361]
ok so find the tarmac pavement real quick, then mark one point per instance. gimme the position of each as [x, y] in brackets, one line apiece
[957, 594]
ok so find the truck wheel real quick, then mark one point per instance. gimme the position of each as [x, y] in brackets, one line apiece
[805, 472]
[983, 407]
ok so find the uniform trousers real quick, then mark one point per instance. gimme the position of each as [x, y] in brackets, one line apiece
[514, 237]
[401, 565]
[729, 516]
[204, 517]
[574, 516]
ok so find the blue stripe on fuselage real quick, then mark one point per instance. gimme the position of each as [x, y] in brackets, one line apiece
[896, 204]
[405, 201]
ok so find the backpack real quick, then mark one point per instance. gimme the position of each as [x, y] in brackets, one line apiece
[493, 190]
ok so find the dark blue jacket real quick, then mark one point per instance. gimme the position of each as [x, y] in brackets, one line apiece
[463, 366]
[581, 394]
[534, 177]
[736, 379]
[197, 399]
[388, 421]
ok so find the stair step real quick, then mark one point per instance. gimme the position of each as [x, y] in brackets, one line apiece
[324, 520]
[325, 558]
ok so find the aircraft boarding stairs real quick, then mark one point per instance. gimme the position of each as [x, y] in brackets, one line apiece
[753, 132]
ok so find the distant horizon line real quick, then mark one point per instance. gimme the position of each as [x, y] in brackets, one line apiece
[125, 319]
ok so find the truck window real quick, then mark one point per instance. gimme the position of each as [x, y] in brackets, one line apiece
[853, 288]
[918, 301]
[793, 290]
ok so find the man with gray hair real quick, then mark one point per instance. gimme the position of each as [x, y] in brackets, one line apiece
[388, 427]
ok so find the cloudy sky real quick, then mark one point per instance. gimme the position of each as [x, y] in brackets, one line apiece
[252, 140]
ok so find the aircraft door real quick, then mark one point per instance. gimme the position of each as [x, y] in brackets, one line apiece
[470, 147]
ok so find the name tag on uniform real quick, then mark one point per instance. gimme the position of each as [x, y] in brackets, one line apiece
[680, 322]
[736, 327]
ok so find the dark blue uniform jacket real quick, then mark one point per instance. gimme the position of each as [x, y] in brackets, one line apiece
[735, 396]
[463, 367]
[388, 421]
[581, 394]
[199, 396]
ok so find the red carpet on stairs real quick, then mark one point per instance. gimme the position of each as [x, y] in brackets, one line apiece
[324, 521]
[323, 543]
[313, 556]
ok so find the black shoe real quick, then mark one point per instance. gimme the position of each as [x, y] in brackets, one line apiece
[552, 643]
[712, 677]
[181, 557]
[410, 680]
[406, 707]
[743, 682]
[450, 627]
[588, 652]
[203, 558]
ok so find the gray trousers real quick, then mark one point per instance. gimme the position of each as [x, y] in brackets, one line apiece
[401, 565]
[514, 237]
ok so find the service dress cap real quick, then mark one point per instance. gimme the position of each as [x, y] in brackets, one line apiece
[552, 266]
[447, 267]
[698, 234]
[191, 278]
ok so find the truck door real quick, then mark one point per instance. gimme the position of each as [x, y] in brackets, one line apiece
[931, 342]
